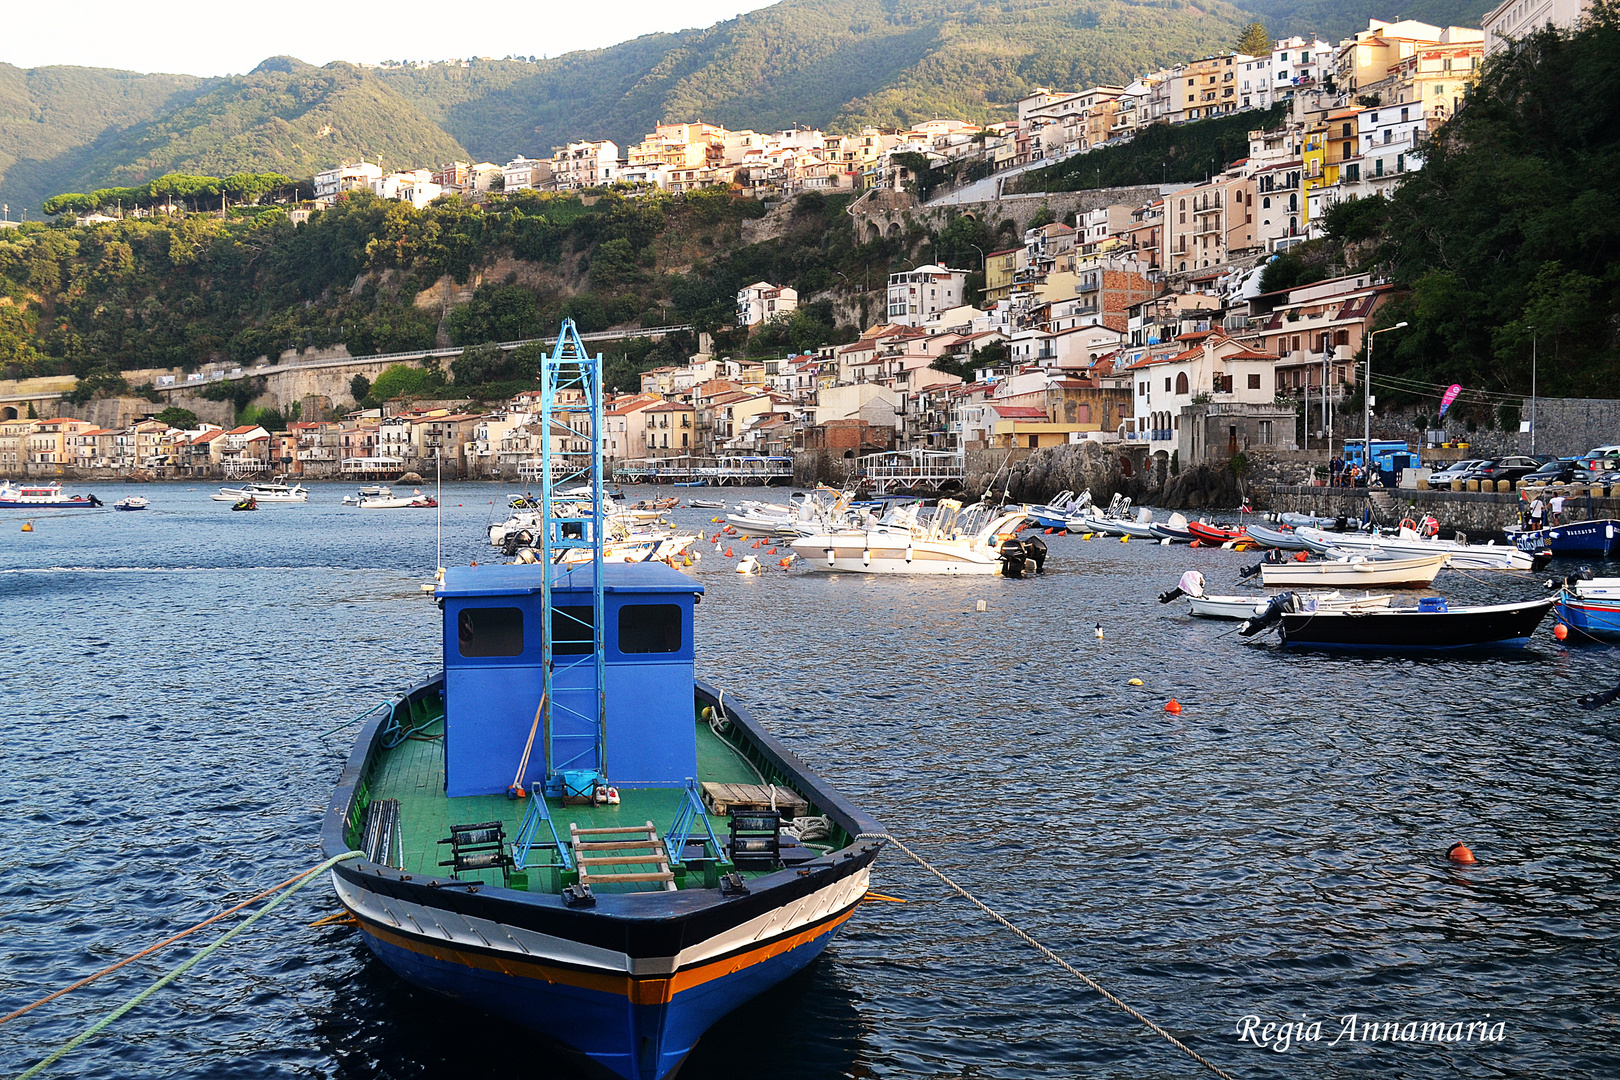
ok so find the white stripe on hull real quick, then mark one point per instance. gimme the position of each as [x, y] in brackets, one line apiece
[466, 930]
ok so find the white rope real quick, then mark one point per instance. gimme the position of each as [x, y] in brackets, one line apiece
[1050, 955]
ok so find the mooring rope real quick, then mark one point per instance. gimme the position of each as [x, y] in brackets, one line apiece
[291, 886]
[1049, 954]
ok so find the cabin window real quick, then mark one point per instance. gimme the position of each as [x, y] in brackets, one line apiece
[572, 631]
[650, 628]
[490, 631]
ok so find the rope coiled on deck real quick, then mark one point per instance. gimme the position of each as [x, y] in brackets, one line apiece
[1049, 954]
[289, 887]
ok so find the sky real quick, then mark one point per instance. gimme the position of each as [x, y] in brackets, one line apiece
[231, 39]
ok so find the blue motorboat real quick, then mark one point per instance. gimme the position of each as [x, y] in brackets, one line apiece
[1578, 538]
[1590, 606]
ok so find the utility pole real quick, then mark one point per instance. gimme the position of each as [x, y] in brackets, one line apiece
[1533, 336]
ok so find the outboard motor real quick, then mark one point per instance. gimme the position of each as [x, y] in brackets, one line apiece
[1191, 584]
[1281, 603]
[1035, 552]
[1540, 561]
[1012, 558]
[1249, 571]
[1341, 523]
[94, 501]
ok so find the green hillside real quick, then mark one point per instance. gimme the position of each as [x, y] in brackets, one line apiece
[835, 64]
[1335, 19]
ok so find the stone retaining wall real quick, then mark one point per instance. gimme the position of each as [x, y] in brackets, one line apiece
[1477, 513]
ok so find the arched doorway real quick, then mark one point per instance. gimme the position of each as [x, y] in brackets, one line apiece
[9, 412]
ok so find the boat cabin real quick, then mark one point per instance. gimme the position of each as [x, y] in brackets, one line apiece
[493, 668]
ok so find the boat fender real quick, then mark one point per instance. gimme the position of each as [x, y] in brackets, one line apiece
[830, 555]
[908, 552]
[866, 556]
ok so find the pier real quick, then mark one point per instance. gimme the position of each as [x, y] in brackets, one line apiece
[718, 472]
[1477, 513]
[913, 470]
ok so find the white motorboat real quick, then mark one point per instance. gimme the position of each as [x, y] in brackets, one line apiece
[133, 502]
[264, 493]
[1356, 573]
[954, 541]
[374, 491]
[41, 497]
[1409, 544]
[390, 501]
[1201, 604]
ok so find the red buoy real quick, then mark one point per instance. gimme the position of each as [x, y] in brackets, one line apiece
[1172, 706]
[1560, 631]
[728, 553]
[1459, 853]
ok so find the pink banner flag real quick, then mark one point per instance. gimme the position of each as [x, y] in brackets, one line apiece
[1449, 396]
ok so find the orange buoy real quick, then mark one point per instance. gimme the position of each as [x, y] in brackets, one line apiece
[1459, 853]
[770, 551]
[1172, 706]
[784, 563]
[1299, 556]
[755, 544]
[1048, 532]
[1560, 631]
[728, 553]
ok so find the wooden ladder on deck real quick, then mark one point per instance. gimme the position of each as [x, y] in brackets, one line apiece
[636, 845]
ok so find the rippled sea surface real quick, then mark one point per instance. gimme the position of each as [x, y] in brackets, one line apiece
[169, 679]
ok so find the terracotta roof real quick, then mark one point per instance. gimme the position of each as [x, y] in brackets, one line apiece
[1020, 412]
[207, 436]
[670, 406]
[243, 430]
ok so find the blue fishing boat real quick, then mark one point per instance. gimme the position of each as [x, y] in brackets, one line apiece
[1590, 605]
[1600, 538]
[564, 826]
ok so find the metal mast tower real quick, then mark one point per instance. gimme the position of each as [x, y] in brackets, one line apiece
[571, 521]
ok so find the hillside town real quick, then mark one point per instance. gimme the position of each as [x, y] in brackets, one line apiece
[1140, 324]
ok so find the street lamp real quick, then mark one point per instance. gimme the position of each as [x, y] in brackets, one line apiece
[1366, 398]
[1532, 389]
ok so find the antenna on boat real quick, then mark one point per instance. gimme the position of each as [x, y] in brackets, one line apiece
[573, 702]
[438, 462]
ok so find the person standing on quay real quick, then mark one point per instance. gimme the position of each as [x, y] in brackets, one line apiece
[1337, 467]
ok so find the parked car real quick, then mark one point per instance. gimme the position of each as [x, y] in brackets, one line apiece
[1457, 470]
[1599, 470]
[1506, 468]
[1556, 471]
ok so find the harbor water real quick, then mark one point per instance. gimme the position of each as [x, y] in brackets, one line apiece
[172, 679]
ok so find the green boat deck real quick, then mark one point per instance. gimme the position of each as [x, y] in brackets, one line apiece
[413, 774]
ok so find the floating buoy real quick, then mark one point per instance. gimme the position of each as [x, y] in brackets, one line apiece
[1136, 682]
[714, 521]
[749, 565]
[1172, 706]
[1164, 542]
[756, 543]
[770, 551]
[473, 563]
[687, 561]
[981, 606]
[1099, 631]
[28, 526]
[1560, 631]
[1196, 543]
[785, 563]
[1125, 538]
[1459, 853]
[1049, 532]
[728, 553]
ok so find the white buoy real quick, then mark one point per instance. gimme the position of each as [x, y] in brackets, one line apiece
[749, 565]
[981, 605]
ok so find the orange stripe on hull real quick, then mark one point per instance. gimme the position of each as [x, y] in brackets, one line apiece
[653, 990]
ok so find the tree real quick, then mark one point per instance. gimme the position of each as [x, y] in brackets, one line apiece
[360, 387]
[176, 417]
[1255, 40]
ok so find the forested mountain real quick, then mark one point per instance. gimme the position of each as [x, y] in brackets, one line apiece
[835, 64]
[1337, 19]
[285, 116]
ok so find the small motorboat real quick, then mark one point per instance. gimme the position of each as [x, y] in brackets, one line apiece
[249, 503]
[424, 501]
[270, 492]
[1357, 573]
[134, 502]
[1590, 605]
[1432, 626]
[1410, 543]
[1284, 539]
[389, 501]
[1199, 603]
[1174, 529]
[1211, 535]
[1600, 538]
[382, 491]
[42, 497]
[706, 504]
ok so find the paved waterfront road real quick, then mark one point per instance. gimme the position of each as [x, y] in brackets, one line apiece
[1275, 851]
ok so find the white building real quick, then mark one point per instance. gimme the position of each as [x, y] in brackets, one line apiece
[358, 176]
[584, 165]
[1298, 64]
[762, 301]
[916, 296]
[1517, 19]
[1389, 138]
[522, 172]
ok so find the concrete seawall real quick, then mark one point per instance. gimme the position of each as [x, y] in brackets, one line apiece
[1479, 514]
